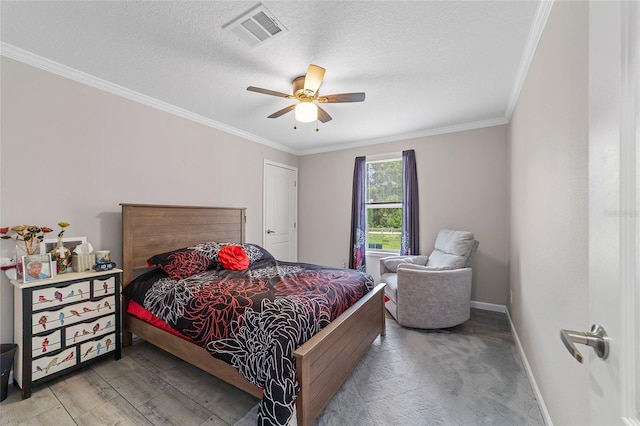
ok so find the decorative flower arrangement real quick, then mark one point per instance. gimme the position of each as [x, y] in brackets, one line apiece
[61, 254]
[62, 225]
[27, 237]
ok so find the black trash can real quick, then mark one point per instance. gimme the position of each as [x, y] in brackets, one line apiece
[7, 352]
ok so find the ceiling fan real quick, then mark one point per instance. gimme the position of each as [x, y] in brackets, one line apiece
[305, 91]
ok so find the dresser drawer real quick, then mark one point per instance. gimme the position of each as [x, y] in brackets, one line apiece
[94, 348]
[53, 296]
[47, 343]
[71, 314]
[47, 365]
[102, 287]
[89, 330]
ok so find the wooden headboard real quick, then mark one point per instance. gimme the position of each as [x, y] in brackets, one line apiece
[149, 229]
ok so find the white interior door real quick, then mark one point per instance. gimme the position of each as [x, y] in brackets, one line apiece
[280, 228]
[614, 235]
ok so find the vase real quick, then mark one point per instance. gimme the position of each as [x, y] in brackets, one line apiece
[19, 262]
[62, 256]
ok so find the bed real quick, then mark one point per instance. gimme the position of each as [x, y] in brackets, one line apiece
[322, 363]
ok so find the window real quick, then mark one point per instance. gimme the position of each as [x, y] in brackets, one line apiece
[384, 204]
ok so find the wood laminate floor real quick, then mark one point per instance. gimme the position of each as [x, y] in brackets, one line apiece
[471, 374]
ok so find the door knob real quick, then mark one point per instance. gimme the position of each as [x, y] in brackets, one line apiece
[269, 231]
[596, 338]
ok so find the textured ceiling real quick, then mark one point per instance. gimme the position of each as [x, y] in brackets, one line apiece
[425, 66]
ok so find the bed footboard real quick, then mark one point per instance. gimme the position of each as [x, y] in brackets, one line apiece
[190, 353]
[325, 361]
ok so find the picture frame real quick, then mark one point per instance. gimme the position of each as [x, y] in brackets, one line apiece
[37, 267]
[48, 244]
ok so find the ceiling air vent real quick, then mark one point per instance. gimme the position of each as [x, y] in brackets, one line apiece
[256, 26]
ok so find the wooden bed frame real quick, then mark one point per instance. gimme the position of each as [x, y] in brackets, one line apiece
[323, 363]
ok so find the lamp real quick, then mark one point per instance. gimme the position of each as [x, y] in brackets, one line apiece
[306, 112]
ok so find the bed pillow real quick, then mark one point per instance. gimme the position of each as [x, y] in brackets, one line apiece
[253, 251]
[138, 287]
[184, 262]
[233, 257]
[256, 253]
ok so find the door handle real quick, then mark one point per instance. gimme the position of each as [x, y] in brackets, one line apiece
[269, 231]
[596, 338]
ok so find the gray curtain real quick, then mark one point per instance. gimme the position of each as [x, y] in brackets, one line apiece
[410, 216]
[357, 251]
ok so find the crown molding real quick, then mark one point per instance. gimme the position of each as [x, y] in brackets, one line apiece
[396, 138]
[34, 60]
[535, 33]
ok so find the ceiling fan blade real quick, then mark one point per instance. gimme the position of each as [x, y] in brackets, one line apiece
[323, 116]
[342, 97]
[313, 79]
[283, 111]
[268, 92]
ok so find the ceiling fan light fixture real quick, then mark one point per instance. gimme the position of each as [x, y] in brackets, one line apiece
[306, 112]
[305, 92]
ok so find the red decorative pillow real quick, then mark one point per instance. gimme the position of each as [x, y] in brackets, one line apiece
[233, 258]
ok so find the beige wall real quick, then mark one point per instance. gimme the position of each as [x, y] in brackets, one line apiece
[72, 152]
[88, 150]
[463, 181]
[549, 211]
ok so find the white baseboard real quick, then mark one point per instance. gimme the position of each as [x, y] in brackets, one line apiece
[488, 306]
[532, 379]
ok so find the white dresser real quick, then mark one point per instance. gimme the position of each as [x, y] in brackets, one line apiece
[64, 322]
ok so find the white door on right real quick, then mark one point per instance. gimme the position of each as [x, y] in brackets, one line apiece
[614, 234]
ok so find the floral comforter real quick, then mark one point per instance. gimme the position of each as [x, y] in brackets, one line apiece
[254, 319]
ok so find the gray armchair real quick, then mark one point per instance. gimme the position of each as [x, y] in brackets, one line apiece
[431, 291]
